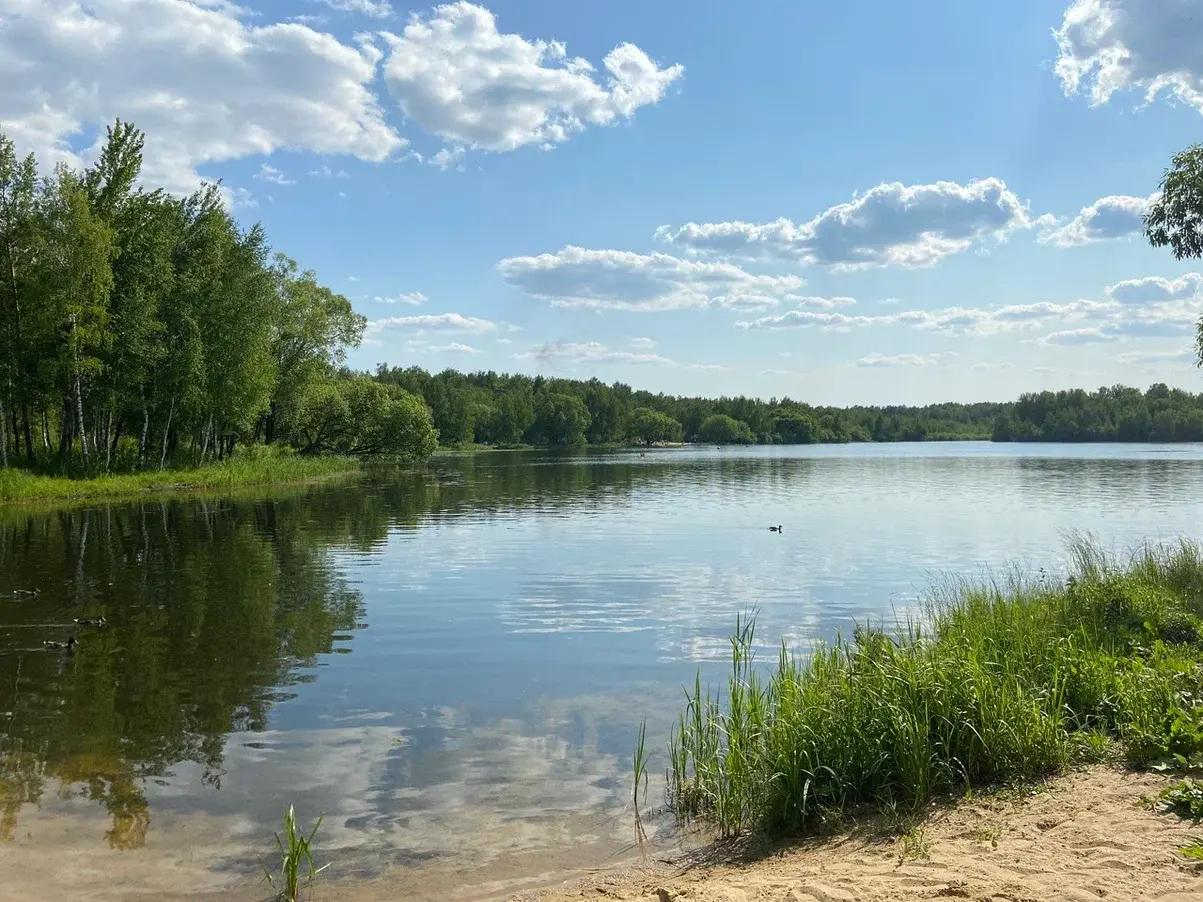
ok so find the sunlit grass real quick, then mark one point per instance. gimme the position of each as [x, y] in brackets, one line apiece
[298, 868]
[997, 683]
[264, 467]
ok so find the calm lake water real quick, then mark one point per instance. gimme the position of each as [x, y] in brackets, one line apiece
[451, 664]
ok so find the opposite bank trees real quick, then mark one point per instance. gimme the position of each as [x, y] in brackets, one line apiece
[138, 328]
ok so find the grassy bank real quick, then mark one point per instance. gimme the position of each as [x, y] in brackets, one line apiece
[261, 468]
[1004, 682]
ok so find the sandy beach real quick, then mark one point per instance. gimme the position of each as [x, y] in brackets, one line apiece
[1086, 836]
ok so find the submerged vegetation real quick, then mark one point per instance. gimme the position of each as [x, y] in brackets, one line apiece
[998, 683]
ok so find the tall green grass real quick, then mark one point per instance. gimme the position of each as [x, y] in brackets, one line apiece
[994, 683]
[251, 467]
[297, 865]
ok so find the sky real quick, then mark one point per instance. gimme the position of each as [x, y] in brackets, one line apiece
[863, 202]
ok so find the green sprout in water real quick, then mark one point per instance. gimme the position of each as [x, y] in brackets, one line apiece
[296, 859]
[640, 763]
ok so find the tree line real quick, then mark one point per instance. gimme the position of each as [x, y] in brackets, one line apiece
[492, 408]
[139, 329]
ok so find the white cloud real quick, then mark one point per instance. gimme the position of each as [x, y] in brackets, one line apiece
[576, 352]
[376, 9]
[271, 174]
[890, 225]
[431, 322]
[623, 280]
[893, 360]
[204, 85]
[1119, 45]
[1115, 216]
[986, 365]
[1174, 356]
[325, 172]
[643, 342]
[1088, 335]
[454, 347]
[1155, 289]
[457, 76]
[412, 298]
[952, 320]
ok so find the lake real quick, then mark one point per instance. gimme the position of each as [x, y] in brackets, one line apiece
[451, 664]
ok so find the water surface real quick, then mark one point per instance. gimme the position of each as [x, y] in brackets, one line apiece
[451, 663]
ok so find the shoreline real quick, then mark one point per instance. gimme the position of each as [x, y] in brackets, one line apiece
[21, 488]
[1087, 834]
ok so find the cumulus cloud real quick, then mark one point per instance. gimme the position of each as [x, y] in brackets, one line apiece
[592, 352]
[411, 298]
[894, 360]
[1088, 335]
[623, 280]
[272, 174]
[1120, 45]
[889, 225]
[206, 84]
[1156, 289]
[429, 322]
[1115, 216]
[952, 320]
[457, 76]
[376, 9]
[454, 347]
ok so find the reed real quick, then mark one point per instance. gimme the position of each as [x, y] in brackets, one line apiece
[298, 868]
[995, 683]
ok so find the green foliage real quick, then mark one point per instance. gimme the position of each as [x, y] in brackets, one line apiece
[127, 314]
[650, 427]
[1111, 414]
[1192, 850]
[1184, 798]
[357, 415]
[297, 865]
[998, 684]
[1175, 217]
[720, 429]
[560, 419]
[489, 408]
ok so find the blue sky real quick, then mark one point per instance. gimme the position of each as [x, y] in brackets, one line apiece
[889, 202]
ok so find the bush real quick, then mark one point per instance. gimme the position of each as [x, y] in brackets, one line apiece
[649, 427]
[721, 429]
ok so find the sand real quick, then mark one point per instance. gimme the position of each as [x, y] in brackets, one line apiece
[1086, 836]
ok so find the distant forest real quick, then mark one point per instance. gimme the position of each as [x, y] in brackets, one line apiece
[141, 330]
[489, 408]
